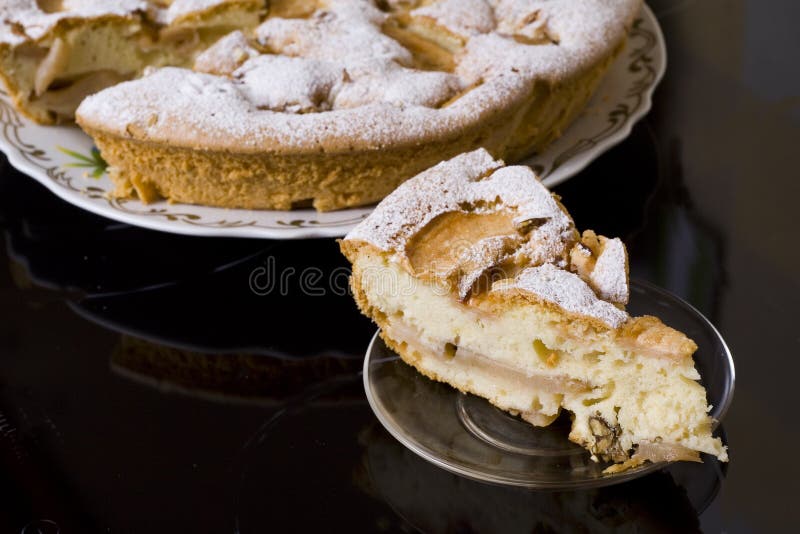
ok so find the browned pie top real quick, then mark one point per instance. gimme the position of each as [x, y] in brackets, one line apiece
[481, 226]
[32, 20]
[346, 74]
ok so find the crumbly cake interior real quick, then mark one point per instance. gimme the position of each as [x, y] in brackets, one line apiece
[526, 313]
[53, 53]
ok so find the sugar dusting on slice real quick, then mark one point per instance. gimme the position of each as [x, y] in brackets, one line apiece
[565, 289]
[473, 182]
[610, 277]
[535, 247]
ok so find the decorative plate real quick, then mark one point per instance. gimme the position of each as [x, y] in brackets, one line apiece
[65, 161]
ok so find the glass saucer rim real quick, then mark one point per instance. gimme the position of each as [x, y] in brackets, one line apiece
[718, 412]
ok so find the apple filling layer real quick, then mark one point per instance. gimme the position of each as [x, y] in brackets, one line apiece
[50, 76]
[627, 406]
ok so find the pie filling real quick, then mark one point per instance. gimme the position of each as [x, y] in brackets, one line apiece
[56, 73]
[627, 407]
[53, 75]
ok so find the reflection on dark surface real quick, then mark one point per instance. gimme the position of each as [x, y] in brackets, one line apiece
[394, 490]
[231, 377]
[188, 291]
[66, 248]
[434, 500]
[221, 312]
[297, 472]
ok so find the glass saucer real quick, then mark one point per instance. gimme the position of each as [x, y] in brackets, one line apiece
[468, 436]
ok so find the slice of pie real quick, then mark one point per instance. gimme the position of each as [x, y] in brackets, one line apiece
[477, 277]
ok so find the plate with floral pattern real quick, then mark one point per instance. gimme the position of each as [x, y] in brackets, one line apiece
[65, 161]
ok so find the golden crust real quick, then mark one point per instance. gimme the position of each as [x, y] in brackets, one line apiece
[336, 174]
[510, 111]
[352, 250]
[573, 325]
[260, 180]
[646, 335]
[649, 335]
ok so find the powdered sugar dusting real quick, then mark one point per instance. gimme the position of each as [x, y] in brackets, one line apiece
[396, 85]
[382, 98]
[562, 37]
[523, 18]
[462, 17]
[281, 83]
[199, 109]
[473, 183]
[476, 260]
[345, 31]
[565, 289]
[476, 183]
[179, 9]
[610, 277]
[348, 35]
[23, 20]
[226, 55]
[418, 200]
[191, 96]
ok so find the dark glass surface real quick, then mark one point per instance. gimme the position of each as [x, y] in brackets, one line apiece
[145, 386]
